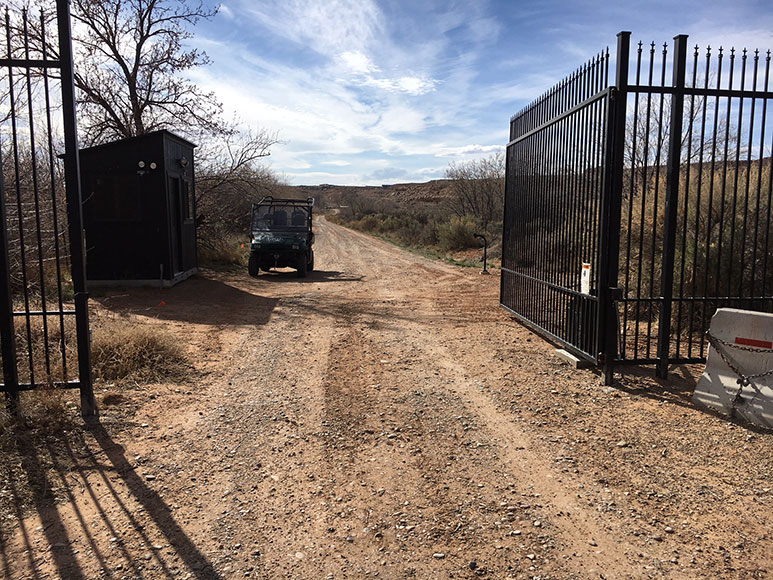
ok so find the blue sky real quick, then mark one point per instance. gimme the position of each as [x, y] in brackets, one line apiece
[373, 91]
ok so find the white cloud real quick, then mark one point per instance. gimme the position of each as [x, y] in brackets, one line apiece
[341, 80]
[329, 27]
[401, 119]
[362, 71]
[409, 85]
[226, 11]
[466, 150]
[357, 62]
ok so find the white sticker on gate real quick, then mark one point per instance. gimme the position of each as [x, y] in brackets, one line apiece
[585, 278]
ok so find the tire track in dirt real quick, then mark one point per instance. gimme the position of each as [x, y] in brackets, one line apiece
[577, 528]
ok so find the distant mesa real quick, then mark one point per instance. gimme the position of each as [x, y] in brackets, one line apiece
[433, 191]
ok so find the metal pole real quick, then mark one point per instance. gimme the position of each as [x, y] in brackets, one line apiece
[672, 202]
[485, 249]
[609, 246]
[7, 334]
[75, 211]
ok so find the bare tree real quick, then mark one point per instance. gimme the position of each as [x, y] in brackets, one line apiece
[130, 59]
[478, 188]
[129, 67]
[232, 176]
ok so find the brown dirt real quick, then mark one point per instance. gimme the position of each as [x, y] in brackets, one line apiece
[384, 418]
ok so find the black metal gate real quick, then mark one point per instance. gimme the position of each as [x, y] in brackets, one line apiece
[661, 183]
[43, 302]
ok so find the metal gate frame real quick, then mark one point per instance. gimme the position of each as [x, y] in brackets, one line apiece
[670, 216]
[64, 64]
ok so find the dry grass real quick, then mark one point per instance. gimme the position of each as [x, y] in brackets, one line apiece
[122, 350]
[229, 250]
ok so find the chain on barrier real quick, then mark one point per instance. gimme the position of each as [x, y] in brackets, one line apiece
[744, 380]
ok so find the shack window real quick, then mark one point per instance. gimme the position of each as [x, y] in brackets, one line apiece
[115, 197]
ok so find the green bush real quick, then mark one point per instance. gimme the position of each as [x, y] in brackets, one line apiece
[458, 234]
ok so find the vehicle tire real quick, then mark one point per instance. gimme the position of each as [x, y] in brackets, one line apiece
[302, 267]
[253, 264]
[310, 263]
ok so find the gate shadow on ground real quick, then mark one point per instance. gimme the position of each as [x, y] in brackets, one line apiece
[90, 530]
[154, 506]
[197, 300]
[642, 382]
[677, 389]
[39, 487]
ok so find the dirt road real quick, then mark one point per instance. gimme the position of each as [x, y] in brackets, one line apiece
[384, 418]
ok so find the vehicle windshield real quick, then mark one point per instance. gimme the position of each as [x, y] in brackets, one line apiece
[280, 218]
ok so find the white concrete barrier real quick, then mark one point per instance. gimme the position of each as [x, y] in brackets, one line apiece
[741, 348]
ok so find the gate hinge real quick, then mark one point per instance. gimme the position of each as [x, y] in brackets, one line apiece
[613, 93]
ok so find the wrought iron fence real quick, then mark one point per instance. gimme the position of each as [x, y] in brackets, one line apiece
[684, 204]
[43, 302]
[553, 194]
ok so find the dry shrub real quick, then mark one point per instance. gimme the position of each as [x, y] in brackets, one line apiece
[124, 350]
[228, 249]
[458, 234]
[42, 412]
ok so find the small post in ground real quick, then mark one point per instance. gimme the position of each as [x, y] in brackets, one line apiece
[485, 251]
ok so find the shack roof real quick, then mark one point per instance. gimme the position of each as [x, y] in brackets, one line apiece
[140, 138]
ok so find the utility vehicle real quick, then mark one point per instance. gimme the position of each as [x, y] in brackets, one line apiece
[281, 235]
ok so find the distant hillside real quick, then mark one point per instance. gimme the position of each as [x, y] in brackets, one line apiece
[435, 191]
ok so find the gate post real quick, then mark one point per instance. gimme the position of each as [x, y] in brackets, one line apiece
[672, 202]
[611, 204]
[7, 334]
[75, 212]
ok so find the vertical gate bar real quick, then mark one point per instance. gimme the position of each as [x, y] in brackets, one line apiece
[712, 173]
[584, 171]
[549, 175]
[686, 205]
[672, 201]
[54, 208]
[723, 194]
[749, 147]
[600, 110]
[7, 333]
[609, 231]
[707, 242]
[75, 211]
[569, 190]
[631, 198]
[645, 168]
[766, 251]
[736, 173]
[19, 207]
[36, 198]
[759, 177]
[560, 201]
[602, 132]
[571, 205]
[656, 196]
[575, 256]
[505, 229]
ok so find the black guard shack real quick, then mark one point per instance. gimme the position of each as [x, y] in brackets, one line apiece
[139, 210]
